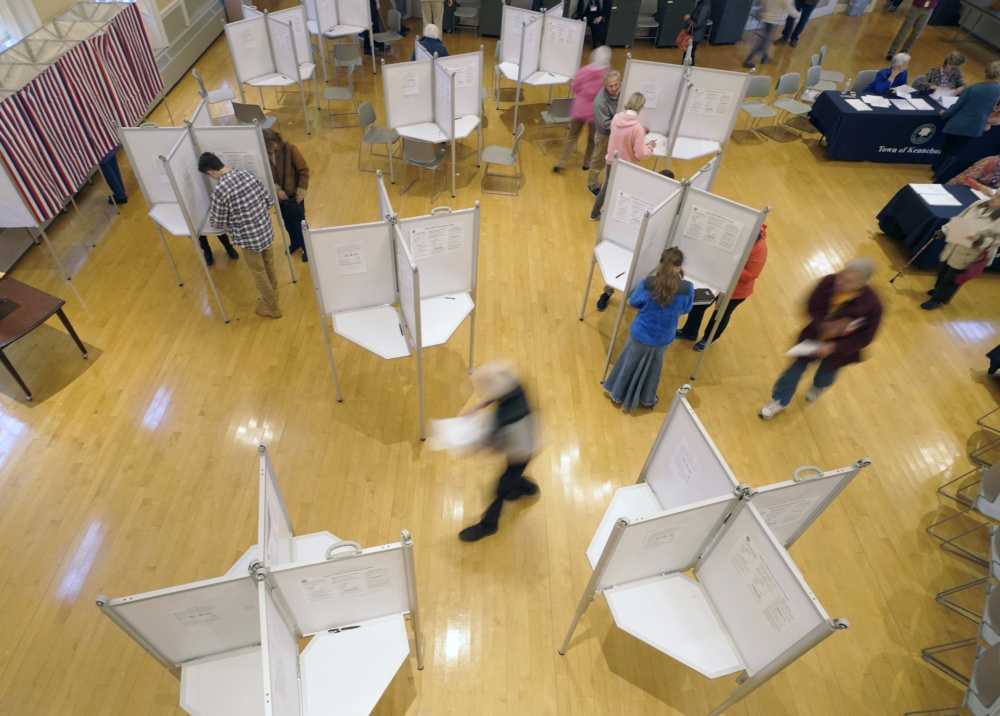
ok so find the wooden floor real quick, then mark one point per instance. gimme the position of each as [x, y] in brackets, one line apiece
[136, 469]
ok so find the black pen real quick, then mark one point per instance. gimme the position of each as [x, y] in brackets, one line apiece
[620, 275]
[400, 328]
[337, 631]
[450, 298]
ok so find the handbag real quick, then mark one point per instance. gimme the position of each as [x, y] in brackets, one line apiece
[974, 270]
[684, 39]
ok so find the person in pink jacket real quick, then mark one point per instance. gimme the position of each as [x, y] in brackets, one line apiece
[589, 81]
[628, 141]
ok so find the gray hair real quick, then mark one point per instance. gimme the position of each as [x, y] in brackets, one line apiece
[862, 267]
[601, 56]
[432, 31]
[610, 75]
[900, 60]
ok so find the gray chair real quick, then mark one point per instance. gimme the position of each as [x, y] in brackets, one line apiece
[558, 115]
[982, 697]
[821, 85]
[986, 503]
[645, 28]
[342, 94]
[347, 55]
[755, 106]
[467, 14]
[423, 155]
[250, 114]
[947, 597]
[829, 75]
[215, 96]
[505, 157]
[986, 636]
[787, 106]
[372, 135]
[810, 88]
[865, 78]
[394, 21]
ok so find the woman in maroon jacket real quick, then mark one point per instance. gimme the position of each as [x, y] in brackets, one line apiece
[845, 314]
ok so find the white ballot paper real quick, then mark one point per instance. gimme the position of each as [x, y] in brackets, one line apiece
[461, 434]
[947, 102]
[875, 101]
[920, 103]
[858, 105]
[902, 104]
[904, 90]
[805, 348]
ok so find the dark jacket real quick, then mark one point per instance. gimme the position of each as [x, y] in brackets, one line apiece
[866, 306]
[432, 46]
[291, 173]
[605, 108]
[967, 117]
[602, 10]
[699, 19]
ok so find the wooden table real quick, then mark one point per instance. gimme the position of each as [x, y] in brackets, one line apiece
[22, 310]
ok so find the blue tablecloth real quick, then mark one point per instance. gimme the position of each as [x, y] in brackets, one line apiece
[909, 218]
[889, 134]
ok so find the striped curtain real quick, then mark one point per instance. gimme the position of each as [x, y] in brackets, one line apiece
[132, 38]
[23, 153]
[90, 98]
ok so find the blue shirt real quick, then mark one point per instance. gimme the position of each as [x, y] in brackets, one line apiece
[656, 325]
[880, 85]
[433, 46]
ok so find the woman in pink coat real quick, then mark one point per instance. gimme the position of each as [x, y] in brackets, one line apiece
[589, 81]
[628, 140]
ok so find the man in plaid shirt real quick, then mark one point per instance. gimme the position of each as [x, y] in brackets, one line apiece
[240, 206]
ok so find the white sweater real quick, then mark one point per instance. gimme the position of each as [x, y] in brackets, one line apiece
[772, 11]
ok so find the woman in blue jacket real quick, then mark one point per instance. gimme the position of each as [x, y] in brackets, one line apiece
[966, 120]
[661, 299]
[891, 77]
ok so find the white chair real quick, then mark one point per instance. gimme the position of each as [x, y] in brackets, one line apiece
[467, 14]
[865, 78]
[986, 503]
[249, 114]
[982, 698]
[821, 85]
[394, 21]
[422, 155]
[559, 114]
[647, 25]
[829, 75]
[809, 92]
[342, 94]
[506, 157]
[348, 54]
[754, 105]
[215, 96]
[372, 135]
[787, 89]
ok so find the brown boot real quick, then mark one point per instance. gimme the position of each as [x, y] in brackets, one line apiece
[262, 309]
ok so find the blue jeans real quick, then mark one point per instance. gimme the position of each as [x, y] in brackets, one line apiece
[806, 11]
[763, 42]
[784, 389]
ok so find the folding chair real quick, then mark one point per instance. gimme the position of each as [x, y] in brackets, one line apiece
[422, 155]
[946, 597]
[982, 698]
[756, 109]
[394, 21]
[829, 75]
[986, 636]
[810, 91]
[348, 54]
[467, 14]
[986, 503]
[215, 96]
[503, 156]
[645, 28]
[864, 78]
[821, 85]
[342, 94]
[372, 135]
[787, 89]
[559, 113]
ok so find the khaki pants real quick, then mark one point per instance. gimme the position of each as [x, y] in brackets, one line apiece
[575, 127]
[914, 23]
[433, 12]
[597, 160]
[261, 265]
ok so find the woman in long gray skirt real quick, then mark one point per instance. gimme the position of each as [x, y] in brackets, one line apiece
[661, 299]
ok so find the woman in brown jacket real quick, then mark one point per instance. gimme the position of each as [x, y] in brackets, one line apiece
[291, 177]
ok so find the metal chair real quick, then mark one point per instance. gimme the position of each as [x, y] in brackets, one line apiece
[986, 503]
[756, 109]
[215, 96]
[422, 155]
[809, 92]
[982, 698]
[348, 54]
[467, 11]
[645, 28]
[785, 92]
[864, 78]
[394, 21]
[986, 636]
[505, 157]
[250, 114]
[946, 597]
[829, 75]
[559, 113]
[821, 85]
[372, 135]
[342, 94]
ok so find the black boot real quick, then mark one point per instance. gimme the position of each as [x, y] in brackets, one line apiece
[203, 242]
[224, 240]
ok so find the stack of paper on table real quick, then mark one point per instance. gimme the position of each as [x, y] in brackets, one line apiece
[920, 103]
[875, 101]
[904, 90]
[858, 105]
[935, 195]
[902, 104]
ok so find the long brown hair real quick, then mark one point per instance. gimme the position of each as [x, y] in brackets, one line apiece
[668, 276]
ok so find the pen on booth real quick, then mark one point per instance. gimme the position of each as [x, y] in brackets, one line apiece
[400, 328]
[620, 275]
[340, 629]
[450, 298]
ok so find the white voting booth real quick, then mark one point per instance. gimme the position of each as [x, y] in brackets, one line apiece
[646, 213]
[274, 50]
[165, 163]
[689, 111]
[747, 608]
[232, 641]
[397, 286]
[704, 178]
[435, 100]
[333, 19]
[538, 50]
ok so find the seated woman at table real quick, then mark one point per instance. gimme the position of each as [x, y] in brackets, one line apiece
[892, 76]
[947, 76]
[982, 176]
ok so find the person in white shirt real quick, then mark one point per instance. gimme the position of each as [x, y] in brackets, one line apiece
[971, 237]
[771, 13]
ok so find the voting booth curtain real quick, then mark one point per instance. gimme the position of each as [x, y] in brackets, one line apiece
[57, 126]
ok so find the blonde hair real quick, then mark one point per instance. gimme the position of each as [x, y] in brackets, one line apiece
[636, 102]
[668, 276]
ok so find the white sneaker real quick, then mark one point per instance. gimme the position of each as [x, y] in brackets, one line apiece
[814, 394]
[771, 409]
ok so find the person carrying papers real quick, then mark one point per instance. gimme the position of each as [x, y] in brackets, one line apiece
[845, 314]
[971, 242]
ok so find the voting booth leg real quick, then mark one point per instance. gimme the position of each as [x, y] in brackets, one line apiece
[588, 595]
[411, 588]
[453, 167]
[285, 240]
[806, 643]
[614, 336]
[720, 310]
[517, 104]
[170, 256]
[586, 291]
[305, 108]
[52, 251]
[322, 56]
[329, 354]
[420, 385]
[208, 275]
[103, 604]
